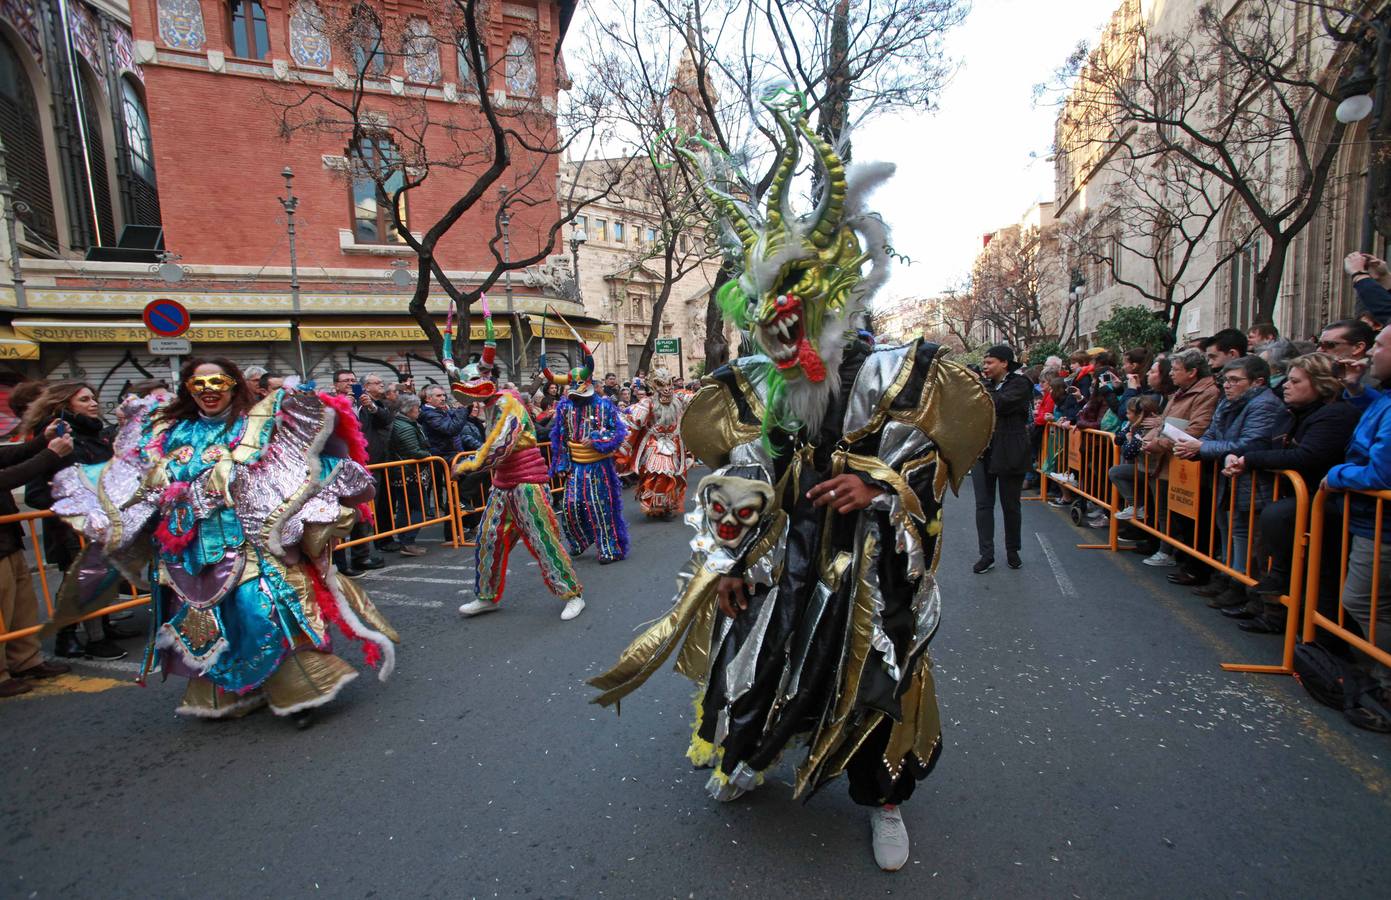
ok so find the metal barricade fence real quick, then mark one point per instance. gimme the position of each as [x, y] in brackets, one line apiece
[1080, 461]
[30, 522]
[1362, 639]
[417, 485]
[1186, 511]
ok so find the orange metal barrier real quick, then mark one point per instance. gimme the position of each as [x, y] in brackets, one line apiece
[1180, 497]
[1313, 619]
[1081, 460]
[418, 480]
[30, 520]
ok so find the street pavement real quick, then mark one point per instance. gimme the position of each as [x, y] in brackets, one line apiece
[1093, 748]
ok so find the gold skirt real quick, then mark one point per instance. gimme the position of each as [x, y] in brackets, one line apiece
[305, 679]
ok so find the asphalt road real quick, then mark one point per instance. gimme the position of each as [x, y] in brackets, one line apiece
[1093, 748]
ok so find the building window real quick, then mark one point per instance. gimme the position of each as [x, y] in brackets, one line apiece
[377, 177]
[248, 29]
[618, 232]
[601, 230]
[468, 79]
[581, 224]
[139, 190]
[25, 160]
[521, 67]
[652, 236]
[422, 53]
[365, 37]
[638, 304]
[308, 43]
[1242, 291]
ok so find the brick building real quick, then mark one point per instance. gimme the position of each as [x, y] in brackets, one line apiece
[182, 127]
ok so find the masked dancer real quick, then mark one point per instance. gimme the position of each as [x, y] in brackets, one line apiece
[660, 460]
[230, 507]
[806, 610]
[588, 429]
[519, 503]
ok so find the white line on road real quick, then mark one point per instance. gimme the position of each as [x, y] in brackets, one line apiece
[397, 567]
[416, 579]
[381, 598]
[112, 665]
[1064, 583]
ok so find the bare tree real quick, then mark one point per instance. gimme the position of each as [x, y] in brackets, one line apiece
[1223, 104]
[1008, 285]
[399, 136]
[961, 315]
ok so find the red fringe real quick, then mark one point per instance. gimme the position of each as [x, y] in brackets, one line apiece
[173, 543]
[347, 428]
[328, 605]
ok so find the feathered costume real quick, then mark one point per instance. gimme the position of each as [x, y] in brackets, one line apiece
[231, 521]
[519, 501]
[660, 459]
[832, 649]
[587, 431]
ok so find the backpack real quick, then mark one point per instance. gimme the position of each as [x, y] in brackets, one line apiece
[1338, 683]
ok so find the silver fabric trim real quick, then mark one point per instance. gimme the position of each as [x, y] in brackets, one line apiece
[878, 372]
[792, 674]
[739, 671]
[744, 777]
[927, 612]
[751, 454]
[869, 576]
[900, 442]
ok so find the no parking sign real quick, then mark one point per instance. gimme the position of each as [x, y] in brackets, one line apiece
[166, 318]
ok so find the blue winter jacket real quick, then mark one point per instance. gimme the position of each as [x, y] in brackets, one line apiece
[1368, 466]
[1249, 423]
[450, 431]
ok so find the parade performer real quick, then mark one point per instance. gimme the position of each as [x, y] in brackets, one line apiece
[587, 430]
[230, 507]
[660, 459]
[806, 609]
[519, 502]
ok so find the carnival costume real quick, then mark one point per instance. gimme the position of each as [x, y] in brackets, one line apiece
[659, 459]
[587, 430]
[832, 647]
[231, 521]
[519, 502]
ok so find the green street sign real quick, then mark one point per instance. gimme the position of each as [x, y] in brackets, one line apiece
[667, 345]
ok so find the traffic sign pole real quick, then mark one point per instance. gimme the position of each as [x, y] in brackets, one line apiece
[168, 319]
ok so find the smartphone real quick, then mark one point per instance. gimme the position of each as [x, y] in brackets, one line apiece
[62, 428]
[357, 392]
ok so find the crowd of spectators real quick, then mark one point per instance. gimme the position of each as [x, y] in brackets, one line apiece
[1245, 405]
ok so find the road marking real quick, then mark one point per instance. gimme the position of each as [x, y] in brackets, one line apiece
[416, 579]
[111, 665]
[1064, 583]
[380, 598]
[398, 567]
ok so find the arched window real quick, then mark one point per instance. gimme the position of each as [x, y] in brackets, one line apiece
[25, 160]
[468, 79]
[249, 39]
[365, 36]
[141, 193]
[98, 197]
[377, 176]
[521, 67]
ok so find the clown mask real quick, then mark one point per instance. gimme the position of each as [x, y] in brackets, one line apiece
[734, 507]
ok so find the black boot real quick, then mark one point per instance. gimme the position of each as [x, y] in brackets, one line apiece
[66, 644]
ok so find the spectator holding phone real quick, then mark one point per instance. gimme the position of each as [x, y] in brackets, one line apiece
[1349, 342]
[1372, 280]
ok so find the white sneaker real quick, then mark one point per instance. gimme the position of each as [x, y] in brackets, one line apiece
[477, 608]
[573, 607]
[1126, 514]
[1160, 560]
[890, 837]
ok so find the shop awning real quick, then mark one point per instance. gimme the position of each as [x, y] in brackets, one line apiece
[135, 332]
[592, 334]
[370, 330]
[12, 347]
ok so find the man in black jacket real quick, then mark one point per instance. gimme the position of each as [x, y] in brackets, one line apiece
[22, 659]
[1002, 467]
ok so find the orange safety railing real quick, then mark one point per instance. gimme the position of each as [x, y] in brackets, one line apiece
[30, 521]
[1361, 639]
[1080, 461]
[1185, 509]
[416, 484]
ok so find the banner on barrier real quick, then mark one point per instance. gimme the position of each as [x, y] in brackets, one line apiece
[1185, 478]
[1074, 450]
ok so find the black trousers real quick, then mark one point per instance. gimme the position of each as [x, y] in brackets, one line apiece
[1009, 487]
[863, 771]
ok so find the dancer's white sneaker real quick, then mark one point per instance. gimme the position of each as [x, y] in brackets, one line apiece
[477, 608]
[573, 607]
[890, 838]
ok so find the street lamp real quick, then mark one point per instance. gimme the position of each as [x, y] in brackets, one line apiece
[290, 203]
[505, 220]
[1363, 94]
[577, 238]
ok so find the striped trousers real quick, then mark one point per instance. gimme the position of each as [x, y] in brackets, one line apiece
[525, 511]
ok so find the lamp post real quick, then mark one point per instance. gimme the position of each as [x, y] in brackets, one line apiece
[13, 208]
[577, 239]
[1364, 93]
[505, 220]
[290, 203]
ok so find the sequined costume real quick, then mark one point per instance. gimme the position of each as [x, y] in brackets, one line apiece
[831, 651]
[593, 508]
[518, 505]
[660, 458]
[230, 522]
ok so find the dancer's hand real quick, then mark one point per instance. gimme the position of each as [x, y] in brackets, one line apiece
[844, 493]
[731, 594]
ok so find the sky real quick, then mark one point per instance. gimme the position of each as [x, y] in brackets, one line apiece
[979, 162]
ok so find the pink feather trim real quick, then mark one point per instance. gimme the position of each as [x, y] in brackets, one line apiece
[170, 542]
[328, 605]
[347, 428]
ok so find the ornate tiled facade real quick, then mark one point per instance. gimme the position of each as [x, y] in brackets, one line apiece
[308, 43]
[181, 24]
[521, 67]
[123, 53]
[24, 17]
[422, 53]
[86, 37]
